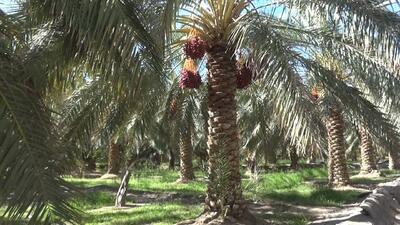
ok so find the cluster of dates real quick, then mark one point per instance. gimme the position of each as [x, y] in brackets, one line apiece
[195, 49]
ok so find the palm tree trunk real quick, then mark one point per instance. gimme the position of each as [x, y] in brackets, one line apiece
[338, 175]
[284, 153]
[91, 163]
[330, 168]
[114, 158]
[186, 150]
[171, 161]
[394, 160]
[294, 158]
[269, 157]
[223, 137]
[313, 155]
[368, 163]
[251, 161]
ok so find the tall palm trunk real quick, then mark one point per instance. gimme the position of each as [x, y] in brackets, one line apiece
[90, 163]
[269, 157]
[394, 160]
[114, 158]
[368, 163]
[338, 175]
[251, 161]
[171, 160]
[294, 158]
[223, 137]
[186, 151]
[330, 167]
[91, 166]
[313, 155]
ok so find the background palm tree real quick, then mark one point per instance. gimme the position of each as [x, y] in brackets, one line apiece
[181, 108]
[368, 160]
[187, 127]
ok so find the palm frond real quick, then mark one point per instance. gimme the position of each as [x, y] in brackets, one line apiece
[273, 63]
[359, 110]
[31, 156]
[365, 23]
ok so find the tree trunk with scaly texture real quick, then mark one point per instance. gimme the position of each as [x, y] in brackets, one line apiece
[186, 151]
[114, 159]
[394, 160]
[330, 167]
[223, 137]
[368, 163]
[338, 175]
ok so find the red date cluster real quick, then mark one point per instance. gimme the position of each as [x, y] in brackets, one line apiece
[189, 79]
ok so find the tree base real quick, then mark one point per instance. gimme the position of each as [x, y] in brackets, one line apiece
[214, 218]
[340, 184]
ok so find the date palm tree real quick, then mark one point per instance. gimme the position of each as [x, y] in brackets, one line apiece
[261, 132]
[368, 161]
[114, 158]
[338, 173]
[180, 117]
[279, 49]
[187, 127]
[394, 160]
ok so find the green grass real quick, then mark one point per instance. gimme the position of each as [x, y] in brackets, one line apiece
[288, 187]
[292, 187]
[147, 180]
[165, 181]
[92, 182]
[93, 200]
[155, 214]
[99, 210]
[388, 172]
[311, 196]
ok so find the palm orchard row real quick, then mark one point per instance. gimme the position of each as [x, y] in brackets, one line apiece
[78, 74]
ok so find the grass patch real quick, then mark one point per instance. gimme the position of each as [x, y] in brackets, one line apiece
[289, 187]
[285, 180]
[165, 181]
[308, 195]
[390, 173]
[93, 200]
[147, 180]
[92, 182]
[155, 214]
[292, 187]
